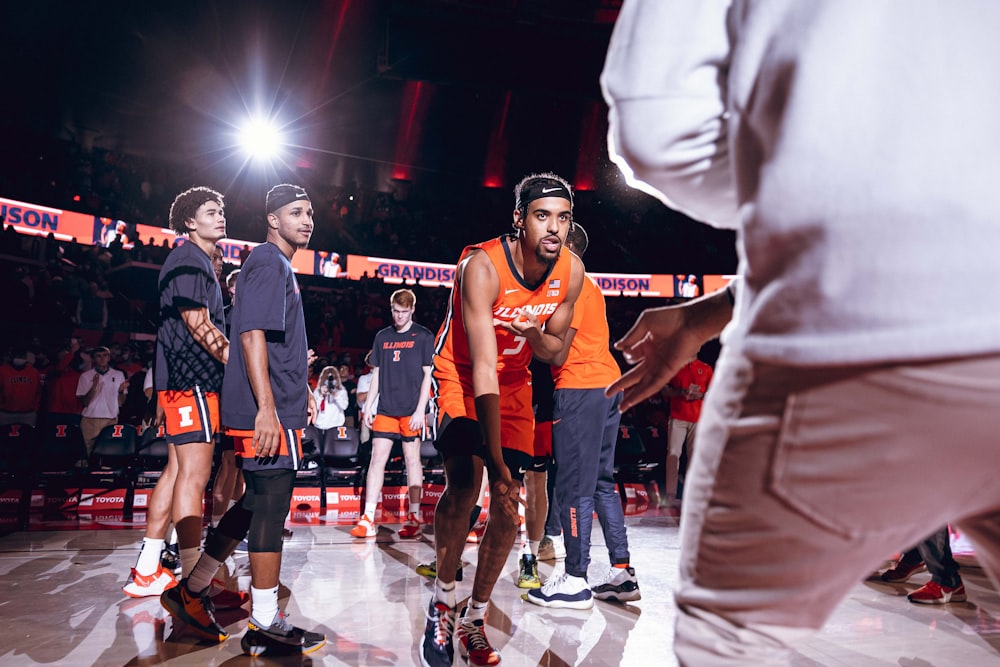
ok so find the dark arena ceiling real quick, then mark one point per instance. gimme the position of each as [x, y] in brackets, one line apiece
[437, 95]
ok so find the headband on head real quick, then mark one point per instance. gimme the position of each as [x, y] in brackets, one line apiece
[546, 188]
[281, 195]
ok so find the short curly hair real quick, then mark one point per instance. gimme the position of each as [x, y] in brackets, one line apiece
[186, 204]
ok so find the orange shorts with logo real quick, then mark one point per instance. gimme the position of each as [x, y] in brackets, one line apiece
[191, 415]
[385, 426]
[289, 450]
[517, 420]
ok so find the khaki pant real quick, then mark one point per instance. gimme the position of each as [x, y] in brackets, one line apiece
[805, 480]
[91, 427]
[678, 431]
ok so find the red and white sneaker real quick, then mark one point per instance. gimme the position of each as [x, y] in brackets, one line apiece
[224, 598]
[473, 645]
[147, 585]
[476, 534]
[410, 527]
[934, 593]
[365, 528]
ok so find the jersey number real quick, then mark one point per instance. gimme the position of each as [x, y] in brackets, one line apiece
[519, 340]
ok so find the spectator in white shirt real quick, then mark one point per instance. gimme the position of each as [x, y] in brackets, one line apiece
[102, 390]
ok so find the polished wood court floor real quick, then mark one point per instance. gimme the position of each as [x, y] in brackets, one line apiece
[61, 604]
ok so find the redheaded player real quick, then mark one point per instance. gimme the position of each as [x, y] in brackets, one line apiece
[400, 388]
[505, 290]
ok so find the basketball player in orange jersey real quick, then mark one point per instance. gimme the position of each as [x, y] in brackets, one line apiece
[505, 290]
[584, 434]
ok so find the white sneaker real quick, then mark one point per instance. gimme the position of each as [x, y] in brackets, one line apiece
[552, 547]
[147, 585]
[564, 592]
[618, 585]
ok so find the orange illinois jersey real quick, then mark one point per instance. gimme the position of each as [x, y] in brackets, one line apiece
[451, 349]
[590, 364]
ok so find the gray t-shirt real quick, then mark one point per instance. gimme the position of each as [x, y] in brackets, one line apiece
[268, 299]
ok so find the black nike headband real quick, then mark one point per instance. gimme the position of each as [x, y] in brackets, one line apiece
[281, 195]
[543, 189]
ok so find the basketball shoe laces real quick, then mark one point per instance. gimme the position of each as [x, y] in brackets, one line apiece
[476, 637]
[444, 630]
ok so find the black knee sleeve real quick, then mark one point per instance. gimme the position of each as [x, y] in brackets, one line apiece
[268, 521]
[233, 527]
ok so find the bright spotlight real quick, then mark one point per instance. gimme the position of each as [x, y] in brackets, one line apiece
[261, 139]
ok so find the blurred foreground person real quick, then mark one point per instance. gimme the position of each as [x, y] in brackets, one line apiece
[829, 135]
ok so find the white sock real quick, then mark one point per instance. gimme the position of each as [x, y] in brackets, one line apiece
[445, 592]
[149, 556]
[370, 510]
[533, 546]
[189, 558]
[202, 574]
[477, 610]
[415, 509]
[264, 605]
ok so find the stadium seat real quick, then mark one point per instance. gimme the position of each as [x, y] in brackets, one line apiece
[18, 448]
[114, 452]
[61, 447]
[336, 458]
[151, 452]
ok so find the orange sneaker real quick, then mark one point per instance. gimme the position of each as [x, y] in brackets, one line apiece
[365, 528]
[196, 611]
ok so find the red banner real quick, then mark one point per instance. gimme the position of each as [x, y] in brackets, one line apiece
[94, 230]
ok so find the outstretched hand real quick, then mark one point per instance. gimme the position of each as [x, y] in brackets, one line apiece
[658, 345]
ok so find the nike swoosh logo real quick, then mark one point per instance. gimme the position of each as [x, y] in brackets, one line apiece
[301, 196]
[511, 290]
[544, 190]
[556, 421]
[521, 470]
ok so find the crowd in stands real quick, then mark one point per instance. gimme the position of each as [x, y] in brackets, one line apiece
[427, 220]
[61, 299]
[64, 298]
